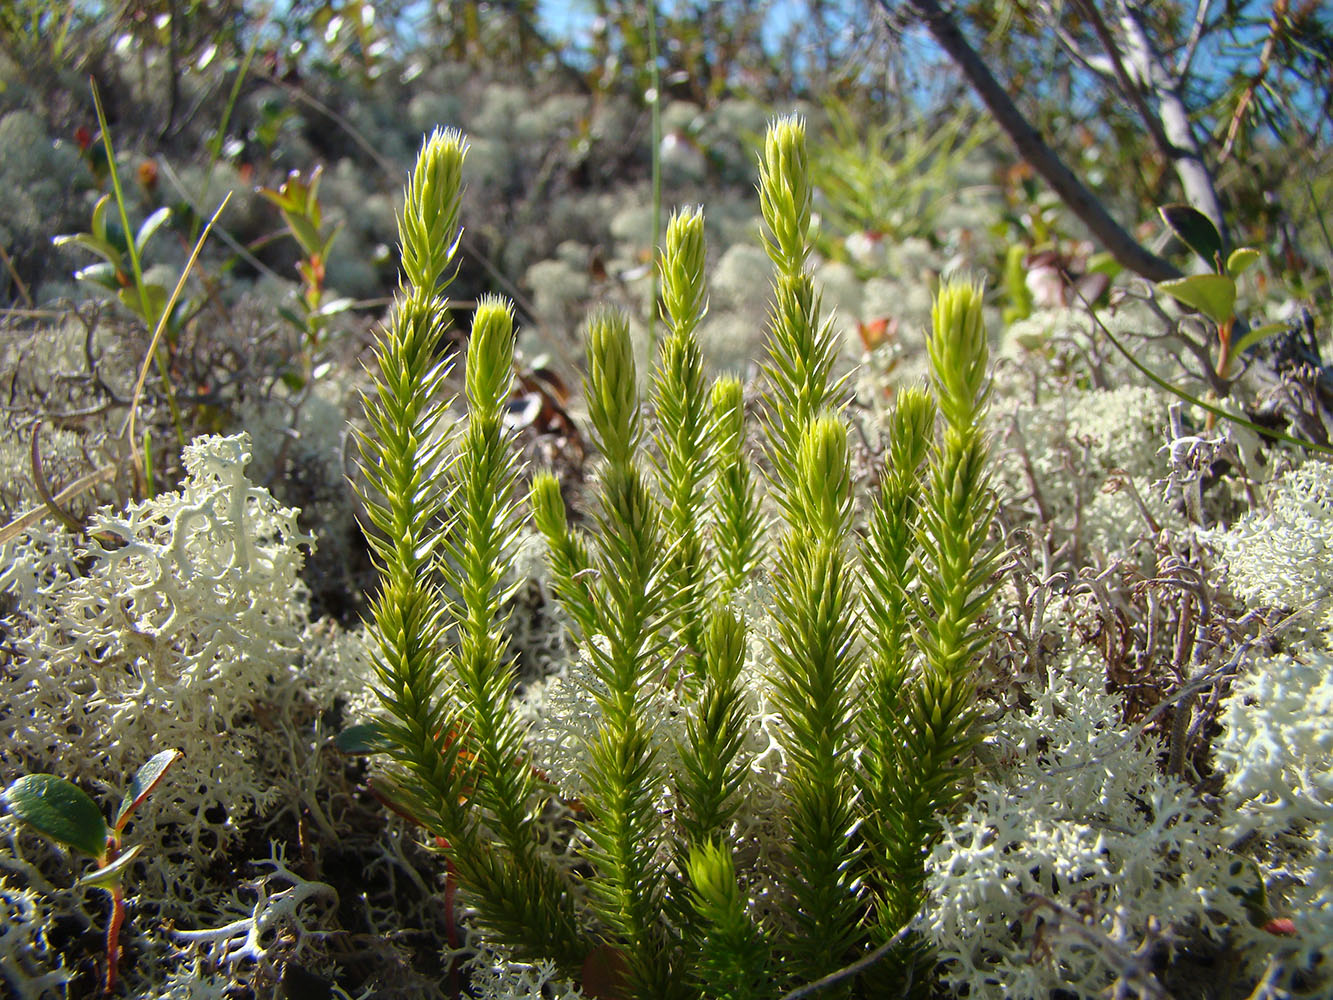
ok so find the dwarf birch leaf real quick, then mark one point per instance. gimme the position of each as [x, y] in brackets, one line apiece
[145, 780]
[60, 810]
[1195, 230]
[1214, 295]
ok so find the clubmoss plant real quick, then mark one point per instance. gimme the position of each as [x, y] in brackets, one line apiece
[448, 720]
[659, 588]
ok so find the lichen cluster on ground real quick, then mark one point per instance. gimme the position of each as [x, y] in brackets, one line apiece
[1150, 809]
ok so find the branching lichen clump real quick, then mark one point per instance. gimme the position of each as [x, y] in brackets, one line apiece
[191, 611]
[179, 621]
[1280, 557]
[1276, 751]
[1075, 858]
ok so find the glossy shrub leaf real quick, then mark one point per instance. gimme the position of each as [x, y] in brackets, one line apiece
[88, 241]
[1241, 260]
[335, 306]
[60, 810]
[109, 876]
[1195, 230]
[305, 232]
[99, 217]
[1214, 295]
[145, 780]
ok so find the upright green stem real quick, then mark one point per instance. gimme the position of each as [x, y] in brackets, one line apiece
[814, 613]
[655, 111]
[449, 754]
[136, 268]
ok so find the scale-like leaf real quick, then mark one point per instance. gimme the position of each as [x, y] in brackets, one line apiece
[60, 810]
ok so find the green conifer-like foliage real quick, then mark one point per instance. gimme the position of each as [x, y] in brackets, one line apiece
[869, 634]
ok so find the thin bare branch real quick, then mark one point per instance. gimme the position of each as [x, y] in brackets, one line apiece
[1081, 201]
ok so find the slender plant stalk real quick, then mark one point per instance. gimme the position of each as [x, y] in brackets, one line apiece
[624, 605]
[814, 596]
[136, 268]
[655, 112]
[439, 516]
[684, 455]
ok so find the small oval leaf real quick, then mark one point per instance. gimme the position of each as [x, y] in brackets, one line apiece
[109, 876]
[1195, 230]
[102, 274]
[1214, 295]
[335, 306]
[60, 810]
[142, 784]
[1241, 260]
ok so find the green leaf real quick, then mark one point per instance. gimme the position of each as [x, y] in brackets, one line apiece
[363, 739]
[335, 306]
[60, 810]
[154, 299]
[103, 274]
[305, 232]
[108, 876]
[99, 217]
[1104, 263]
[1257, 335]
[1195, 230]
[151, 225]
[1241, 260]
[88, 241]
[141, 786]
[1214, 295]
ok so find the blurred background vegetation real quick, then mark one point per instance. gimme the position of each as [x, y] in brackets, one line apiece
[307, 113]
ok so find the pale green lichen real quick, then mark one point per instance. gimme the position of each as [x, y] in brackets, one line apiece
[1076, 815]
[1280, 557]
[1276, 752]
